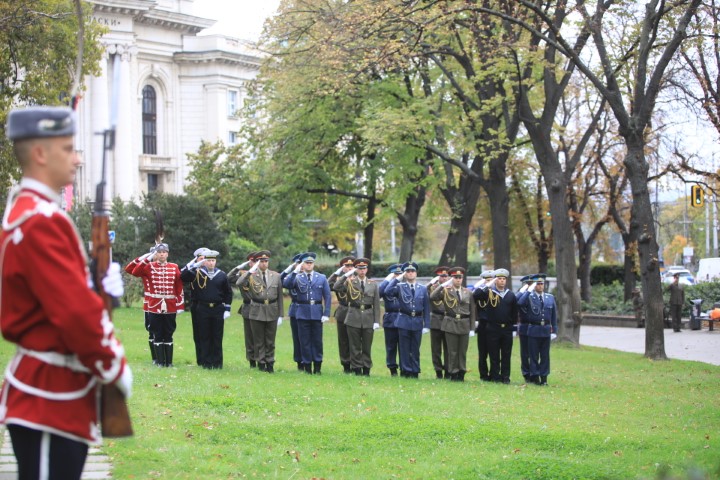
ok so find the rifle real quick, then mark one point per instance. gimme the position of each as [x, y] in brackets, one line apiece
[114, 414]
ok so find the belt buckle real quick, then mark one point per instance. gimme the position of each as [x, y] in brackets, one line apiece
[502, 325]
[542, 322]
[457, 316]
[312, 302]
[211, 305]
[267, 302]
[412, 314]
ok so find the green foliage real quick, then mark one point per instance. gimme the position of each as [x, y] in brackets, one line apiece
[606, 415]
[38, 50]
[709, 292]
[607, 274]
[608, 299]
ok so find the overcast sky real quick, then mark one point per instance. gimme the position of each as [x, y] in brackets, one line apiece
[236, 18]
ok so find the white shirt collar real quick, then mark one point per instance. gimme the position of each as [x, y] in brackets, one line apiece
[41, 188]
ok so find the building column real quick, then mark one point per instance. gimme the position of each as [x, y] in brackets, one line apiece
[125, 168]
[99, 102]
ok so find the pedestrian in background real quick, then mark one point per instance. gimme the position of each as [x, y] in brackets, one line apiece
[677, 301]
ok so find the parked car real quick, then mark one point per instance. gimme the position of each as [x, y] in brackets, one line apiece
[708, 270]
[686, 278]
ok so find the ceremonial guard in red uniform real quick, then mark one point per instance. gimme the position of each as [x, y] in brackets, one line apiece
[164, 298]
[66, 346]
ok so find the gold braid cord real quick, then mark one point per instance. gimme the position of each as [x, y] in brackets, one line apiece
[199, 277]
[493, 299]
[353, 292]
[256, 286]
[450, 300]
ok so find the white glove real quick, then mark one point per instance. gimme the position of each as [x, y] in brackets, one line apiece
[523, 288]
[226, 315]
[339, 271]
[349, 273]
[279, 321]
[553, 336]
[198, 264]
[425, 330]
[243, 265]
[146, 256]
[532, 286]
[113, 282]
[492, 282]
[179, 312]
[324, 319]
[124, 383]
[480, 283]
[514, 334]
[298, 268]
[472, 333]
[289, 268]
[434, 280]
[254, 268]
[390, 277]
[376, 326]
[446, 283]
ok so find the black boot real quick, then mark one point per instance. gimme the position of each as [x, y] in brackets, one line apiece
[168, 354]
[365, 371]
[269, 367]
[461, 376]
[438, 373]
[393, 372]
[159, 354]
[543, 381]
[262, 366]
[346, 368]
[308, 368]
[317, 366]
[152, 352]
[253, 364]
[357, 371]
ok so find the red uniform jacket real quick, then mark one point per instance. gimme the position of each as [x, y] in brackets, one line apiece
[65, 341]
[162, 284]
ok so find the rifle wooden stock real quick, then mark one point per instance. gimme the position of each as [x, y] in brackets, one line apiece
[114, 415]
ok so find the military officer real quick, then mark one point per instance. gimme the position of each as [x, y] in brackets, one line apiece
[65, 342]
[542, 327]
[483, 367]
[291, 312]
[438, 344]
[363, 314]
[265, 310]
[414, 318]
[522, 328]
[502, 312]
[210, 306]
[392, 310]
[233, 277]
[164, 297]
[312, 311]
[458, 322]
[345, 265]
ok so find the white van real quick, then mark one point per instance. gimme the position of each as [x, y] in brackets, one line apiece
[708, 270]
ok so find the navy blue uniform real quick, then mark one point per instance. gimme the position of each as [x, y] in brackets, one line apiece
[312, 303]
[413, 317]
[293, 321]
[541, 315]
[501, 311]
[392, 336]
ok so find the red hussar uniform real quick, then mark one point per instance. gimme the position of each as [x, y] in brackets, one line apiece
[164, 298]
[65, 341]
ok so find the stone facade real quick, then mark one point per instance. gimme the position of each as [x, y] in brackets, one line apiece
[173, 89]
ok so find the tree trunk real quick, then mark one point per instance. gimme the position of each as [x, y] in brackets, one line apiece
[499, 200]
[584, 267]
[369, 230]
[409, 221]
[629, 265]
[642, 227]
[464, 201]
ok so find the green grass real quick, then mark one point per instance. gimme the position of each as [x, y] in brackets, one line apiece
[606, 415]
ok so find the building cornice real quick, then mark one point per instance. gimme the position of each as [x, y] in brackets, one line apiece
[218, 56]
[145, 12]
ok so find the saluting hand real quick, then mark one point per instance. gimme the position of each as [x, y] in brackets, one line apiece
[349, 273]
[447, 283]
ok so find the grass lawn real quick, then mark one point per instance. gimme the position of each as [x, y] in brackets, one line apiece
[606, 414]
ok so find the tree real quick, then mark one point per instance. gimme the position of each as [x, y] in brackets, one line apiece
[33, 73]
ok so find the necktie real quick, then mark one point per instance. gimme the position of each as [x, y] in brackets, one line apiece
[362, 285]
[412, 290]
[457, 294]
[308, 278]
[264, 279]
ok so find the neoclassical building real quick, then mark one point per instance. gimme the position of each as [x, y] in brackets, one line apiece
[172, 90]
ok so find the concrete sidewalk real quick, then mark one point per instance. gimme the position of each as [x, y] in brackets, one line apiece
[699, 345]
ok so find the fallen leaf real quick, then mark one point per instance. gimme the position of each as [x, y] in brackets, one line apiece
[224, 387]
[617, 453]
[412, 460]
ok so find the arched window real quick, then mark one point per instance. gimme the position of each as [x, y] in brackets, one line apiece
[149, 120]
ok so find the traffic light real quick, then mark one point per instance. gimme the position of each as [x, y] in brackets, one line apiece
[697, 196]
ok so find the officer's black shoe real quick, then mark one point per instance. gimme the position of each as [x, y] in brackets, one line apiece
[485, 378]
[439, 373]
[365, 371]
[253, 364]
[308, 368]
[415, 374]
[528, 378]
[403, 373]
[543, 381]
[461, 376]
[393, 372]
[506, 381]
[269, 367]
[357, 371]
[262, 366]
[346, 368]
[453, 377]
[300, 366]
[317, 366]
